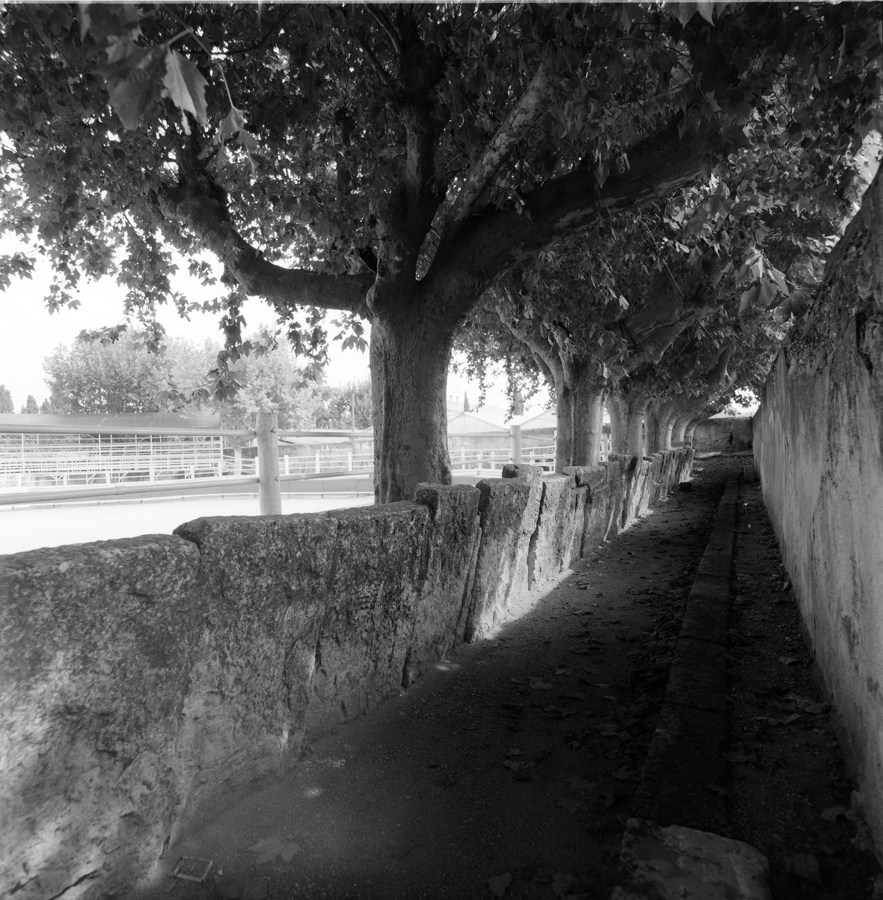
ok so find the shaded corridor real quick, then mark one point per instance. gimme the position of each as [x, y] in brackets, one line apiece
[511, 769]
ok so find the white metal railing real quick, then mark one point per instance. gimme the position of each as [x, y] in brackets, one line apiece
[94, 458]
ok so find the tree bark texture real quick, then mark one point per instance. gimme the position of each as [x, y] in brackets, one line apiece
[588, 416]
[680, 426]
[626, 411]
[409, 365]
[659, 417]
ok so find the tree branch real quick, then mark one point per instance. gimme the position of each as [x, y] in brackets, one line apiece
[381, 18]
[491, 243]
[542, 91]
[201, 208]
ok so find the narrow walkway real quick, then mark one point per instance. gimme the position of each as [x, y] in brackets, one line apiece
[509, 771]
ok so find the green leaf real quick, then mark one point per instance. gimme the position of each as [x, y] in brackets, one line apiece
[185, 85]
[705, 8]
[134, 84]
[107, 20]
[230, 124]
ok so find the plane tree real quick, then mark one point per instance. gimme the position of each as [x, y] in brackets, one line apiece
[388, 163]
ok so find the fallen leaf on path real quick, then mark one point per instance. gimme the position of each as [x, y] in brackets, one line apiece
[537, 684]
[566, 670]
[803, 865]
[833, 813]
[498, 883]
[625, 774]
[562, 884]
[269, 848]
[737, 757]
[578, 783]
[574, 695]
[788, 660]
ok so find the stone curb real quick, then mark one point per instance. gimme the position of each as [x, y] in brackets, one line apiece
[685, 773]
[686, 757]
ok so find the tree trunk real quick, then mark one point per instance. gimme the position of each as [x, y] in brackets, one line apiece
[679, 427]
[588, 417]
[564, 429]
[659, 419]
[626, 421]
[588, 413]
[409, 369]
[667, 421]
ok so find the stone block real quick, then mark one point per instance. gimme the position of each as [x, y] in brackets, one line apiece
[707, 615]
[454, 540]
[698, 675]
[552, 538]
[95, 649]
[508, 510]
[678, 863]
[684, 765]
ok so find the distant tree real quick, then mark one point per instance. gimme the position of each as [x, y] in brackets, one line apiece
[45, 407]
[269, 378]
[121, 376]
[345, 406]
[6, 405]
[31, 406]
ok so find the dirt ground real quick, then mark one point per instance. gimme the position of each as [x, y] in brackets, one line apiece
[510, 770]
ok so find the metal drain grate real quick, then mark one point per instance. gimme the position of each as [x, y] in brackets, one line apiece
[191, 868]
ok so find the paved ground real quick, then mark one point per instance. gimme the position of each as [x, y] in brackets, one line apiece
[512, 769]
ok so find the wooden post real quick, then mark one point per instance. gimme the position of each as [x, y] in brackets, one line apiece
[515, 440]
[268, 463]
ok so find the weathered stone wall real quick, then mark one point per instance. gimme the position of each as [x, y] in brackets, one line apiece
[139, 677]
[714, 434]
[819, 448]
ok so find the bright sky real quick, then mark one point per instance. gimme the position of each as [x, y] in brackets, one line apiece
[31, 333]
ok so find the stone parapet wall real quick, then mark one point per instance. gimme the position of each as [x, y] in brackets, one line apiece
[818, 445]
[141, 677]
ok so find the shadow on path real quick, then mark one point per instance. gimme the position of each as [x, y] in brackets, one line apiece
[510, 770]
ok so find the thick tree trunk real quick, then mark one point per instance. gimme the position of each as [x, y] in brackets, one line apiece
[588, 416]
[564, 429]
[626, 421]
[660, 416]
[409, 369]
[680, 426]
[667, 422]
[617, 409]
[587, 390]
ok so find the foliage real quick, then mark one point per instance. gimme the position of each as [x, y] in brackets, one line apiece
[320, 88]
[6, 404]
[392, 162]
[123, 376]
[348, 406]
[31, 407]
[112, 377]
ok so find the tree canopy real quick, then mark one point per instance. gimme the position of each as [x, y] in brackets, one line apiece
[393, 162]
